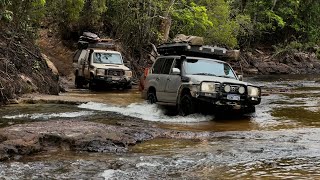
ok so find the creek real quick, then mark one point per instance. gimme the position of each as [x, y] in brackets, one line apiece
[279, 141]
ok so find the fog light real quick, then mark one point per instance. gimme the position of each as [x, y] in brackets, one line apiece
[227, 88]
[242, 90]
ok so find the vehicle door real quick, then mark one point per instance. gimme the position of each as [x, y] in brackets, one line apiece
[165, 74]
[153, 79]
[173, 83]
[81, 62]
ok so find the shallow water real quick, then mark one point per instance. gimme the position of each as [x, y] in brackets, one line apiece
[279, 141]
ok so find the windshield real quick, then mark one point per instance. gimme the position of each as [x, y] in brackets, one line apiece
[208, 67]
[107, 58]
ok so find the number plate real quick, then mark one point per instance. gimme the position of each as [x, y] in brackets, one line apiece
[233, 97]
[115, 78]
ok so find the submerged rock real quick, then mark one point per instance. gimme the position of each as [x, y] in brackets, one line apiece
[26, 139]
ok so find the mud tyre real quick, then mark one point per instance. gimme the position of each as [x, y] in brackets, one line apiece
[186, 105]
[151, 97]
[250, 109]
[128, 86]
[92, 84]
[79, 82]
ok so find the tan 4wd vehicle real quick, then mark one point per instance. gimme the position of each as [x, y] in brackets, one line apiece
[98, 66]
[195, 78]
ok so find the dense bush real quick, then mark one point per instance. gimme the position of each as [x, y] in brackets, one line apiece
[136, 23]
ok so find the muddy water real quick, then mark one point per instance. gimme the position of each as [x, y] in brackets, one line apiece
[280, 141]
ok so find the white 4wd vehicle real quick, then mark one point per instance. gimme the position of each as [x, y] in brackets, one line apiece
[99, 68]
[197, 80]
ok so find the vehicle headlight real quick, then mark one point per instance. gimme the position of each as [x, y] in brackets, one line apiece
[227, 88]
[208, 87]
[253, 91]
[128, 73]
[242, 90]
[100, 72]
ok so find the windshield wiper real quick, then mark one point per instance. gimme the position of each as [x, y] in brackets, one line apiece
[206, 74]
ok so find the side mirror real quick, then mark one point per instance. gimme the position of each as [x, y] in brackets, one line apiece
[175, 71]
[240, 77]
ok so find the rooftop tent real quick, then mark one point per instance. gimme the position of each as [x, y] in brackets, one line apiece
[184, 48]
[90, 40]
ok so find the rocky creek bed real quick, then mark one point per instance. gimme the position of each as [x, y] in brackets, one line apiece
[27, 139]
[116, 135]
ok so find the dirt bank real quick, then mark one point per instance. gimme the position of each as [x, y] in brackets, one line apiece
[23, 69]
[27, 139]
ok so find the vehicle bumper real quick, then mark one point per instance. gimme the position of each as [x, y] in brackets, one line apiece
[112, 81]
[221, 101]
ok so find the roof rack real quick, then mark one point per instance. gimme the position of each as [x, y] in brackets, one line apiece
[184, 48]
[92, 41]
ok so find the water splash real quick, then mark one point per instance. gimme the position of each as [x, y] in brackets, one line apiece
[50, 115]
[109, 173]
[145, 111]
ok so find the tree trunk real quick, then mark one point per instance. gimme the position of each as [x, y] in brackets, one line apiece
[165, 29]
[166, 23]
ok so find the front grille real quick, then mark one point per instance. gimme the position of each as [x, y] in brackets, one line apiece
[114, 72]
[217, 87]
[234, 88]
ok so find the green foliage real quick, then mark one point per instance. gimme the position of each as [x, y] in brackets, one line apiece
[277, 21]
[22, 16]
[5, 14]
[225, 29]
[137, 23]
[208, 18]
[64, 11]
[190, 18]
[91, 13]
[295, 45]
[133, 22]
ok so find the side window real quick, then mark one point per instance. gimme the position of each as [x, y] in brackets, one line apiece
[158, 66]
[177, 64]
[167, 66]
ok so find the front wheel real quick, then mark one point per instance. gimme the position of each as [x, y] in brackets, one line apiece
[151, 97]
[250, 109]
[186, 105]
[92, 84]
[128, 86]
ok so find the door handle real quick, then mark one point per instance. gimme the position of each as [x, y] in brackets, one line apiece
[169, 79]
[157, 79]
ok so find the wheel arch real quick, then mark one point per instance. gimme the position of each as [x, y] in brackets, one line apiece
[182, 91]
[152, 89]
[91, 74]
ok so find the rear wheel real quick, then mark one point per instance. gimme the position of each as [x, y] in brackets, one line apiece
[92, 83]
[79, 82]
[151, 97]
[186, 105]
